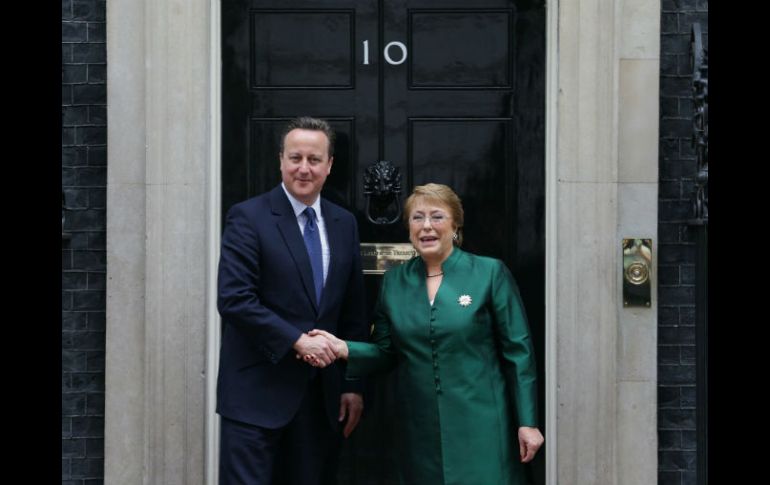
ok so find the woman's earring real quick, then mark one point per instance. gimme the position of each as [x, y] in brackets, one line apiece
[455, 237]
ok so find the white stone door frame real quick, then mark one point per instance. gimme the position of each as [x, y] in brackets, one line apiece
[163, 226]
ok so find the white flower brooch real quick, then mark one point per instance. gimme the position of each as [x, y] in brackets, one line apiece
[465, 300]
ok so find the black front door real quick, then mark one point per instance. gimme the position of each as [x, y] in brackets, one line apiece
[448, 91]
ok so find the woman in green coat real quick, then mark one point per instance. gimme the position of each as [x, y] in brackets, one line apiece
[453, 325]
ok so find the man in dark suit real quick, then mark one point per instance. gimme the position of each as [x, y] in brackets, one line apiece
[290, 262]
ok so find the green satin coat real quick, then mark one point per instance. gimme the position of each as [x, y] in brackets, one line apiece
[464, 373]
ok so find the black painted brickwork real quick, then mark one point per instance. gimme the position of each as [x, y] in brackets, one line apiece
[84, 182]
[677, 253]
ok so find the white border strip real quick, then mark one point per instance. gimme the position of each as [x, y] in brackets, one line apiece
[551, 234]
[213, 325]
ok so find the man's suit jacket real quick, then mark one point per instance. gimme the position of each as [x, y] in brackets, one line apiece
[267, 299]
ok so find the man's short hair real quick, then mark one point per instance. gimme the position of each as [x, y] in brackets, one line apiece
[309, 123]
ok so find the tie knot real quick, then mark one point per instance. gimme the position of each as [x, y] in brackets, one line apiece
[310, 213]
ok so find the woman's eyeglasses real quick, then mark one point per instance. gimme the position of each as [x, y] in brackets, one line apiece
[435, 219]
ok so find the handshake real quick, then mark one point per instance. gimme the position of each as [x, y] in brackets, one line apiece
[319, 348]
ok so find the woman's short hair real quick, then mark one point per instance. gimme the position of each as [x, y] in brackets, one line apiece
[444, 195]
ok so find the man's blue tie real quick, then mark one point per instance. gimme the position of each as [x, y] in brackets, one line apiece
[313, 245]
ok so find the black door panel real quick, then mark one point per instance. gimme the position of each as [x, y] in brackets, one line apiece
[448, 91]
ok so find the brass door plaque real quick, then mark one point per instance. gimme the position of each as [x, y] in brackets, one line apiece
[376, 258]
[637, 265]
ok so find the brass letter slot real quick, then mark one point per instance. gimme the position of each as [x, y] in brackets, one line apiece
[637, 266]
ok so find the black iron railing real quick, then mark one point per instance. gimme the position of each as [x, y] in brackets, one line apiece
[699, 224]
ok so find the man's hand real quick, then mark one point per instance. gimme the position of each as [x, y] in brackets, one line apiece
[352, 405]
[339, 346]
[318, 348]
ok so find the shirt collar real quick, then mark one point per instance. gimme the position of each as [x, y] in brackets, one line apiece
[299, 207]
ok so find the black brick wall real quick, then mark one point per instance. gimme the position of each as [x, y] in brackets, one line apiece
[84, 181]
[677, 252]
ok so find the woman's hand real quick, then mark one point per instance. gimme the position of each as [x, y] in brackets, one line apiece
[351, 407]
[339, 347]
[530, 440]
